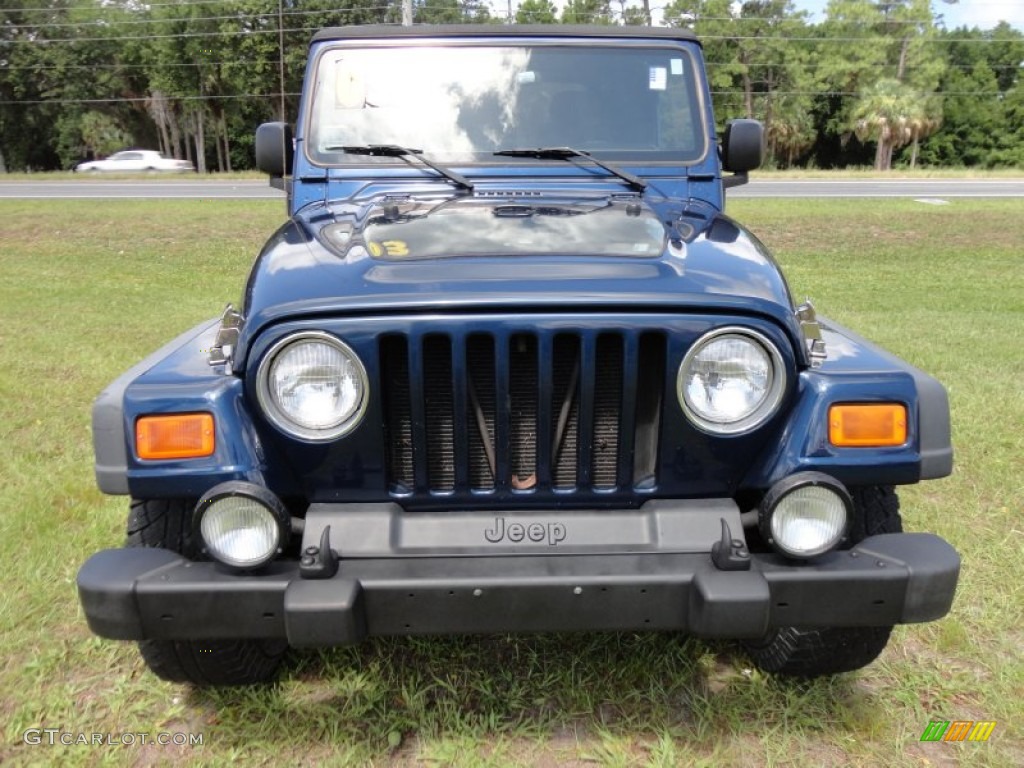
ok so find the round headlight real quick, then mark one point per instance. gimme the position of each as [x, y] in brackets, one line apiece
[312, 385]
[806, 514]
[242, 525]
[731, 381]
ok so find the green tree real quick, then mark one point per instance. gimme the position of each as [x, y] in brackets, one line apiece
[757, 66]
[865, 42]
[451, 12]
[536, 12]
[774, 76]
[586, 12]
[102, 134]
[637, 16]
[979, 87]
[24, 129]
[61, 65]
[1010, 150]
[891, 114]
[713, 22]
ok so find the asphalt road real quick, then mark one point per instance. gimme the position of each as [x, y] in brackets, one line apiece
[256, 189]
[925, 188]
[138, 190]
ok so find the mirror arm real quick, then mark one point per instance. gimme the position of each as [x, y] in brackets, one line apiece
[737, 179]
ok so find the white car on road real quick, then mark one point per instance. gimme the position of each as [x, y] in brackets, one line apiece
[136, 160]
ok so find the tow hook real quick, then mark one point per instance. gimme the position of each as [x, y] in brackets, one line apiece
[319, 562]
[729, 554]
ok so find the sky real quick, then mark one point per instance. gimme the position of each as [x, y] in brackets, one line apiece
[971, 13]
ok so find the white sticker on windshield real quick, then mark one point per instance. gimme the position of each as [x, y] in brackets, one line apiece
[349, 87]
[657, 79]
[677, 66]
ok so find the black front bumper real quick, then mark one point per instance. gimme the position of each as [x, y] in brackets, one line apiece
[134, 594]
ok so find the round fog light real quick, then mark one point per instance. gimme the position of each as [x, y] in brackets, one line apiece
[242, 525]
[805, 515]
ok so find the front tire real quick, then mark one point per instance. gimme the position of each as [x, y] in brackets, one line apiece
[809, 653]
[167, 523]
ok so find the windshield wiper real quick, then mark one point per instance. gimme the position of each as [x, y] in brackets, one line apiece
[393, 150]
[567, 153]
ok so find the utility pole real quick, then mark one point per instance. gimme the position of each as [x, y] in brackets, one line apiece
[406, 13]
[280, 51]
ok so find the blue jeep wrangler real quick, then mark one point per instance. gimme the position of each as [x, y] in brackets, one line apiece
[507, 367]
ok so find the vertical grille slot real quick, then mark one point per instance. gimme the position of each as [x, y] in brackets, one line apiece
[480, 371]
[607, 408]
[649, 389]
[394, 367]
[439, 412]
[522, 434]
[565, 410]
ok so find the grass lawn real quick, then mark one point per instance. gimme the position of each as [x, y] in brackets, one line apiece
[867, 172]
[88, 288]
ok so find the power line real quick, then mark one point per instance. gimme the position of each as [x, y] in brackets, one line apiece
[141, 99]
[273, 30]
[155, 65]
[277, 95]
[739, 93]
[255, 16]
[105, 23]
[179, 35]
[116, 7]
[270, 14]
[802, 66]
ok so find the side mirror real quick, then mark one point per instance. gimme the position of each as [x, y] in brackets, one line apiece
[742, 145]
[274, 149]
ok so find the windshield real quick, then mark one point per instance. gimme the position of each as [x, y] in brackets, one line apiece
[462, 102]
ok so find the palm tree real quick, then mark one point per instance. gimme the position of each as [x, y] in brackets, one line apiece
[924, 124]
[893, 114]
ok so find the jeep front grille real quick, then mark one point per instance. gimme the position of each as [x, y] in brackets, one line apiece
[526, 412]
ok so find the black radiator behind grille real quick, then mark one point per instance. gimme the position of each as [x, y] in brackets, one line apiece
[565, 369]
[397, 409]
[440, 412]
[607, 409]
[522, 427]
[580, 411]
[481, 409]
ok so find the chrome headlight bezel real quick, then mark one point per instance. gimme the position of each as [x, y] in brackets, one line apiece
[280, 418]
[768, 405]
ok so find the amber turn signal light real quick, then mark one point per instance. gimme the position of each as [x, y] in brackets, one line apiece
[174, 436]
[867, 425]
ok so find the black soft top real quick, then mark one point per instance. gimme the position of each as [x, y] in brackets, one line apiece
[500, 30]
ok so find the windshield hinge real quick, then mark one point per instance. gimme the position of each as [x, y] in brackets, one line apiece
[812, 333]
[227, 337]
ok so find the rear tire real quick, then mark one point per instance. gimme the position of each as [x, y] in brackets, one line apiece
[811, 653]
[167, 523]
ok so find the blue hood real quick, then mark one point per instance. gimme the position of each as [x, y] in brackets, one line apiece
[450, 254]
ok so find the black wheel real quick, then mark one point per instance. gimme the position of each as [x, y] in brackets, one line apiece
[830, 650]
[214, 662]
[167, 523]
